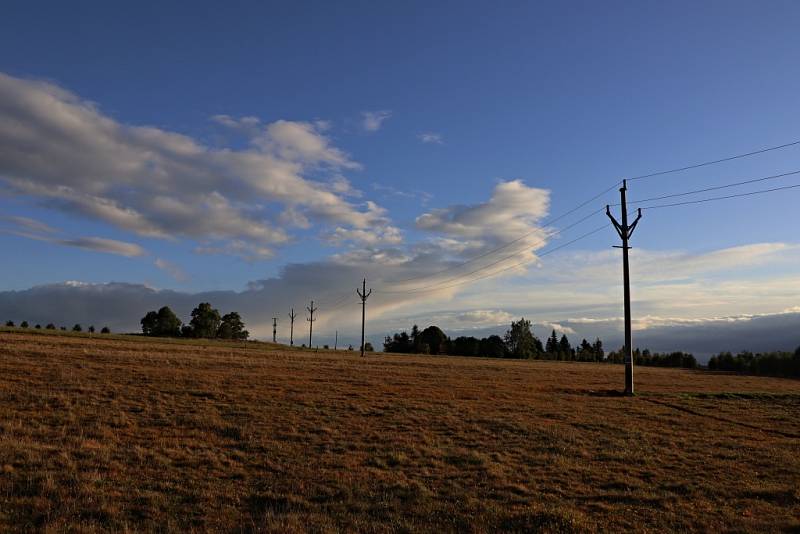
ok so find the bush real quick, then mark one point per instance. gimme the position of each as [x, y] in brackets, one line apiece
[38, 327]
[91, 329]
[77, 328]
[105, 330]
[368, 347]
[23, 324]
[10, 324]
[50, 326]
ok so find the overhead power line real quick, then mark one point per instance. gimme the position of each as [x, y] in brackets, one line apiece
[714, 188]
[713, 162]
[711, 199]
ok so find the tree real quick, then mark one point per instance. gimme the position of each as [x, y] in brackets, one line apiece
[564, 348]
[368, 347]
[168, 323]
[10, 324]
[205, 321]
[77, 328]
[492, 347]
[597, 350]
[434, 338]
[520, 341]
[105, 330]
[584, 352]
[465, 346]
[164, 323]
[552, 346]
[50, 326]
[150, 323]
[232, 327]
[38, 326]
[398, 343]
[91, 329]
[23, 324]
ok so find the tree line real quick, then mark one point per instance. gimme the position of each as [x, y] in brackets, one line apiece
[50, 326]
[206, 322]
[767, 363]
[519, 342]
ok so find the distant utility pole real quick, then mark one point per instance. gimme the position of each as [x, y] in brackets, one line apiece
[310, 320]
[364, 295]
[336, 341]
[291, 328]
[625, 232]
[274, 328]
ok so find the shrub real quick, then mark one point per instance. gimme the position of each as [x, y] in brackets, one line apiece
[77, 328]
[23, 324]
[105, 330]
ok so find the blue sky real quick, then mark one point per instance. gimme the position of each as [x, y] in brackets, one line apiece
[566, 97]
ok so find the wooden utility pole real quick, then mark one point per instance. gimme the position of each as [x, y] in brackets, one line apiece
[310, 320]
[625, 232]
[364, 295]
[336, 341]
[274, 329]
[291, 328]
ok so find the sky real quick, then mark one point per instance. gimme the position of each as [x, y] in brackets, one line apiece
[263, 154]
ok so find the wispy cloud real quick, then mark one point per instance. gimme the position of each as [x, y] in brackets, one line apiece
[171, 269]
[431, 138]
[372, 121]
[39, 231]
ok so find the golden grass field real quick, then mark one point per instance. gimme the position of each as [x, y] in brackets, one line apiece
[116, 433]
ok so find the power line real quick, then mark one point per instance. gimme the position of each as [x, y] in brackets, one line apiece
[715, 188]
[702, 200]
[541, 241]
[706, 163]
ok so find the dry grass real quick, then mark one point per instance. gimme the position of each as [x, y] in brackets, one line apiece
[116, 433]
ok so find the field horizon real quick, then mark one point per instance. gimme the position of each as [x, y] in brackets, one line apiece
[116, 432]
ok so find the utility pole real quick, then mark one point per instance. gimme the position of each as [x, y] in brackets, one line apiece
[291, 328]
[274, 328]
[336, 341]
[625, 232]
[310, 320]
[364, 295]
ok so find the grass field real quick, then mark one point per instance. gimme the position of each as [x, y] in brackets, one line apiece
[121, 433]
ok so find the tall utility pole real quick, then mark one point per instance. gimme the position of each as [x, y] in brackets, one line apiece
[364, 295]
[291, 328]
[310, 320]
[625, 232]
[274, 328]
[336, 341]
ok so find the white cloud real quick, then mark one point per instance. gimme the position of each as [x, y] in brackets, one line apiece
[373, 120]
[162, 184]
[431, 138]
